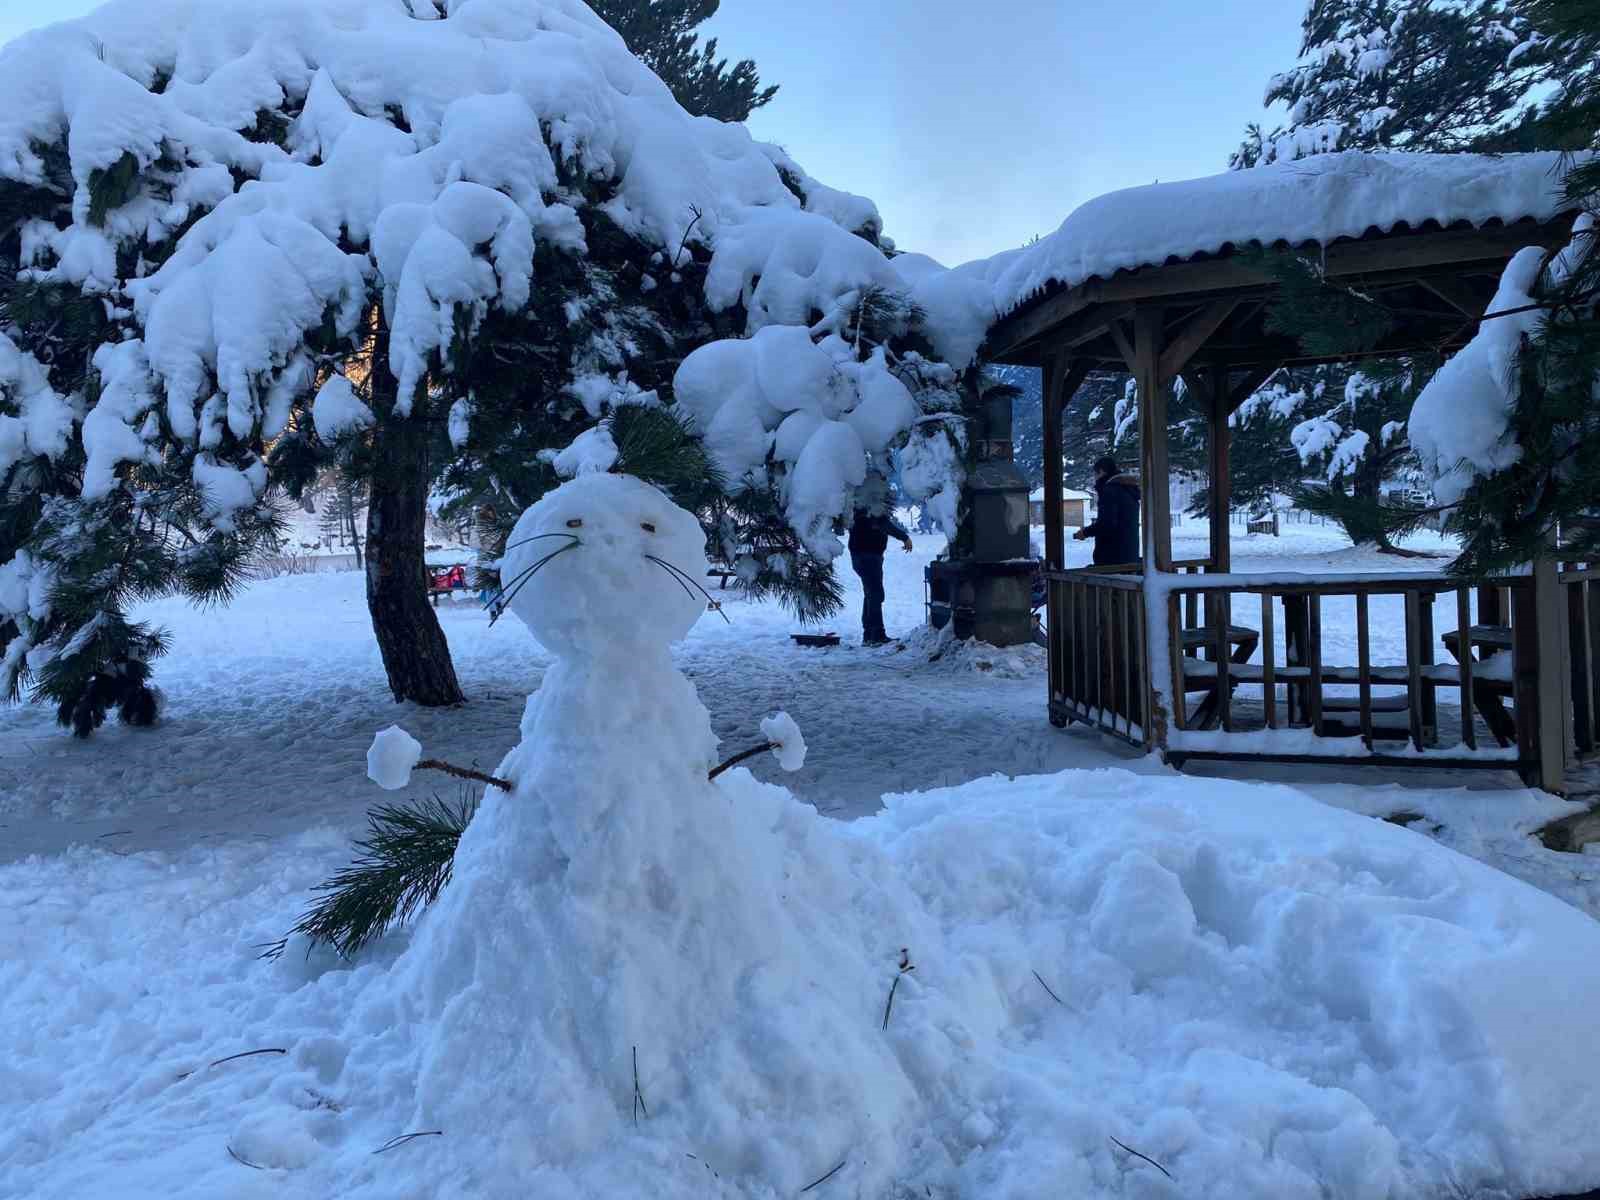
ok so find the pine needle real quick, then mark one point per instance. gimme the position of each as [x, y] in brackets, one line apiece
[819, 1182]
[1049, 989]
[393, 1142]
[1145, 1157]
[405, 862]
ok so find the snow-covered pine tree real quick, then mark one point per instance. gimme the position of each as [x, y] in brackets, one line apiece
[427, 241]
[1354, 424]
[1264, 465]
[97, 508]
[662, 34]
[1359, 444]
[1510, 428]
[1421, 75]
[1434, 75]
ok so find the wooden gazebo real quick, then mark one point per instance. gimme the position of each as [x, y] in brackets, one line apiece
[1171, 656]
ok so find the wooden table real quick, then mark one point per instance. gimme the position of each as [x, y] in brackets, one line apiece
[1488, 695]
[1242, 643]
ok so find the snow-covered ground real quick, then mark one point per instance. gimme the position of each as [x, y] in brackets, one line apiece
[272, 703]
[1322, 1022]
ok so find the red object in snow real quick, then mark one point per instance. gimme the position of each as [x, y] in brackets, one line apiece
[447, 579]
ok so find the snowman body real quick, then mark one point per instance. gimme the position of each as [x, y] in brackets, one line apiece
[617, 907]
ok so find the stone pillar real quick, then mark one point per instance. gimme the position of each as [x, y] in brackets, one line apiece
[988, 593]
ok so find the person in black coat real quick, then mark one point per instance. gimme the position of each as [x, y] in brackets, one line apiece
[1115, 529]
[870, 529]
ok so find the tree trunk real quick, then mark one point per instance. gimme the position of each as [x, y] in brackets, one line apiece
[415, 653]
[348, 500]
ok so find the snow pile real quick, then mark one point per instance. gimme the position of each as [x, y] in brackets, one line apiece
[25, 602]
[939, 650]
[592, 450]
[338, 411]
[1461, 423]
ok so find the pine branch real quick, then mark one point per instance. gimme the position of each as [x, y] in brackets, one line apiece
[405, 862]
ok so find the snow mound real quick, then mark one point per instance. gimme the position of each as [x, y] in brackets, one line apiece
[940, 651]
[1268, 996]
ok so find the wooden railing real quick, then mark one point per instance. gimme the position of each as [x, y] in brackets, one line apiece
[1213, 661]
[1257, 666]
[1098, 672]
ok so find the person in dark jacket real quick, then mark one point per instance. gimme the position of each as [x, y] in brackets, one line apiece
[1115, 529]
[870, 530]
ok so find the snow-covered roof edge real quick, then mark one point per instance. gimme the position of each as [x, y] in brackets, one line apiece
[1318, 200]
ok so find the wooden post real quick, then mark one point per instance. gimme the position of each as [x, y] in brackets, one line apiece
[1165, 671]
[1555, 683]
[1221, 480]
[1469, 731]
[1147, 331]
[1055, 546]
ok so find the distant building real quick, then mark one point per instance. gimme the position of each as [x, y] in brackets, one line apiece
[1074, 508]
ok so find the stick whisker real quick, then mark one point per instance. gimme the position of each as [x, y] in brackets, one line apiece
[538, 537]
[685, 577]
[507, 594]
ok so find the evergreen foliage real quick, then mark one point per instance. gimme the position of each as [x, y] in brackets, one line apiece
[1358, 440]
[402, 865]
[662, 33]
[1436, 75]
[1553, 489]
[79, 561]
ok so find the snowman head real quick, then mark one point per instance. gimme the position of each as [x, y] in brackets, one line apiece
[626, 571]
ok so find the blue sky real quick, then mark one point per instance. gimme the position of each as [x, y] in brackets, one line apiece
[976, 124]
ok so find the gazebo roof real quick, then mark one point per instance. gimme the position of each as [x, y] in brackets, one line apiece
[1478, 209]
[1315, 201]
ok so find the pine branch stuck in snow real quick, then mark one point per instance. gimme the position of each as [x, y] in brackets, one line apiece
[404, 864]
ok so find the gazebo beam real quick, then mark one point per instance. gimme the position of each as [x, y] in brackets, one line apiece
[1147, 334]
[1454, 291]
[1063, 377]
[1194, 335]
[1400, 256]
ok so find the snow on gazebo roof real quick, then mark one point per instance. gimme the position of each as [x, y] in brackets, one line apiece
[1317, 200]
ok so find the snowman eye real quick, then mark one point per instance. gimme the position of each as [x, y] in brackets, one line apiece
[575, 523]
[647, 527]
